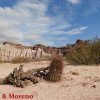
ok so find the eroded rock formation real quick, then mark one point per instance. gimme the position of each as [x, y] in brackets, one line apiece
[8, 52]
[63, 50]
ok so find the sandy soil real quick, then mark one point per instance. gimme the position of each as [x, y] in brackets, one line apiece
[78, 83]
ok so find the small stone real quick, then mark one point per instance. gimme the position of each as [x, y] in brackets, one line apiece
[93, 86]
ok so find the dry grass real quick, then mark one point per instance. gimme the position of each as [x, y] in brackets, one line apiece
[1, 61]
[21, 60]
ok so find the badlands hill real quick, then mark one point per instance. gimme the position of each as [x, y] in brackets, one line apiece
[10, 51]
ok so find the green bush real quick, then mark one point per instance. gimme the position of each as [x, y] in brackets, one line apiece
[88, 54]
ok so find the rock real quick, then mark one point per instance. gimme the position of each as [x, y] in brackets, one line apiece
[93, 86]
[10, 51]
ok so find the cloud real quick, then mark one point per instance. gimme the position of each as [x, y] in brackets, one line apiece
[77, 30]
[27, 18]
[74, 1]
[27, 22]
[74, 31]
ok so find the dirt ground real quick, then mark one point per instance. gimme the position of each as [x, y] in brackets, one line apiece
[78, 83]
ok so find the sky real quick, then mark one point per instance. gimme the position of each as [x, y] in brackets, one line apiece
[49, 22]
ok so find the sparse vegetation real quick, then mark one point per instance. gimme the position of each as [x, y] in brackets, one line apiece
[55, 71]
[21, 60]
[87, 54]
[1, 61]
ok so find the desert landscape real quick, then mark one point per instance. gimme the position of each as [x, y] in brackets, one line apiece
[49, 50]
[78, 83]
[80, 77]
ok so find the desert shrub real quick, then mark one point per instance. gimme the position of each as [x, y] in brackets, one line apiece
[1, 61]
[55, 70]
[88, 54]
[21, 60]
[46, 58]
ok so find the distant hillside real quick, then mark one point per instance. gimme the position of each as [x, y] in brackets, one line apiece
[10, 51]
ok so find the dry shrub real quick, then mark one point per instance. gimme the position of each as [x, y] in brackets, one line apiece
[21, 60]
[1, 61]
[88, 54]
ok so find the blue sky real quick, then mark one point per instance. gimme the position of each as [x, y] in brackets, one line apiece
[49, 22]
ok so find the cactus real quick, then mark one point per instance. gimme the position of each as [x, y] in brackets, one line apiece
[55, 70]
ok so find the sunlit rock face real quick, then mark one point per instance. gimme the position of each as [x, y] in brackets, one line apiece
[8, 52]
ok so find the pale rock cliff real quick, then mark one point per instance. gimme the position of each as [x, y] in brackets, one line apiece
[9, 52]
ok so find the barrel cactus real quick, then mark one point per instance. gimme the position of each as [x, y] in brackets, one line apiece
[55, 70]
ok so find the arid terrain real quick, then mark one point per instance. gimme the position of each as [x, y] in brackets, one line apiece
[78, 83]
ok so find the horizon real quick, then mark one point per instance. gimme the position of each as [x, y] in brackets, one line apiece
[1, 43]
[39, 44]
[49, 22]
